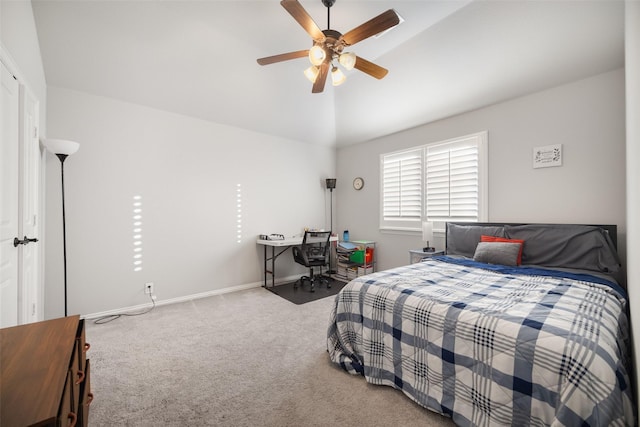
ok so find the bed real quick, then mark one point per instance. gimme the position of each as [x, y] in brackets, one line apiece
[517, 324]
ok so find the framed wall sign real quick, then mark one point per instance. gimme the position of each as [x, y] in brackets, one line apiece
[547, 156]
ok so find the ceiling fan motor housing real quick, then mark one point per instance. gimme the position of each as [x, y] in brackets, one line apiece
[332, 43]
[328, 3]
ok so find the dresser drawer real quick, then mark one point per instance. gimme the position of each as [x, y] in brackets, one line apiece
[67, 416]
[43, 373]
[78, 366]
[82, 345]
[86, 395]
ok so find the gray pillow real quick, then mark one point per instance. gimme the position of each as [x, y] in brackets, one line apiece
[581, 247]
[503, 253]
[463, 239]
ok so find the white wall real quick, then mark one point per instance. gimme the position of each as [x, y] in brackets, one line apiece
[632, 67]
[586, 117]
[186, 171]
[20, 39]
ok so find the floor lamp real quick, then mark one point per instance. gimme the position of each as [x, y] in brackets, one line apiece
[331, 184]
[63, 149]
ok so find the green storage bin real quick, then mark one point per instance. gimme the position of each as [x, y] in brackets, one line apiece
[359, 256]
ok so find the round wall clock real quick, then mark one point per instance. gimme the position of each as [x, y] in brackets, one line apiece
[358, 183]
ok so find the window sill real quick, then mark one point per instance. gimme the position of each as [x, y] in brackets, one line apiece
[407, 231]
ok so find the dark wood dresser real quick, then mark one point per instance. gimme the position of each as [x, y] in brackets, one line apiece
[44, 374]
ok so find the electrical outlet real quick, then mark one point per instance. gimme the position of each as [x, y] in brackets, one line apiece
[148, 288]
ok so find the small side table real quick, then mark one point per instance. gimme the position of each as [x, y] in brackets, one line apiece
[415, 255]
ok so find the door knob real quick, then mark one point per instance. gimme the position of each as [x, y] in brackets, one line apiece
[24, 241]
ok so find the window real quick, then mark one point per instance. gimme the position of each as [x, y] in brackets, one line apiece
[443, 181]
[402, 188]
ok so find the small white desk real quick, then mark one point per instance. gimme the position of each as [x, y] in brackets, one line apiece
[284, 245]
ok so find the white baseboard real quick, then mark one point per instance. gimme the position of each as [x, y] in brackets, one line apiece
[214, 292]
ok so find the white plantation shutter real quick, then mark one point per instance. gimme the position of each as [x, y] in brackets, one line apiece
[402, 188]
[445, 181]
[452, 181]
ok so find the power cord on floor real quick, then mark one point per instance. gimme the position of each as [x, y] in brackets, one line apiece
[106, 319]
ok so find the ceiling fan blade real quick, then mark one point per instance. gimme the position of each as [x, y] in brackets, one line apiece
[283, 57]
[304, 19]
[370, 68]
[318, 86]
[374, 26]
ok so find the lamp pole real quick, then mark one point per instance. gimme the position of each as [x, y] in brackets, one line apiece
[331, 214]
[331, 184]
[62, 158]
[62, 149]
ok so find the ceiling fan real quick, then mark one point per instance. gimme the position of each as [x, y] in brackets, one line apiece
[329, 45]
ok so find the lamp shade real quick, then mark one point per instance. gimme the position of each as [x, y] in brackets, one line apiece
[348, 60]
[317, 55]
[61, 146]
[427, 231]
[337, 76]
[312, 73]
[331, 183]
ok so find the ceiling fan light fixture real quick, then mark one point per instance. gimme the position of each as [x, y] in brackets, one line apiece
[337, 76]
[327, 45]
[317, 55]
[347, 60]
[312, 73]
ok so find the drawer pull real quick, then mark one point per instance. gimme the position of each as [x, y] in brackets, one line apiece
[72, 419]
[80, 377]
[87, 346]
[89, 399]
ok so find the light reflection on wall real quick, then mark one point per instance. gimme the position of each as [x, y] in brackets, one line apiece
[239, 213]
[137, 233]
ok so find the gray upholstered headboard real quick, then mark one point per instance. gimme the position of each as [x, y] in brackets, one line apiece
[612, 229]
[579, 246]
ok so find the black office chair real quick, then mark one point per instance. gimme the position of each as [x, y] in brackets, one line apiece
[312, 253]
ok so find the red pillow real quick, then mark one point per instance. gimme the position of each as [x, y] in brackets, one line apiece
[484, 238]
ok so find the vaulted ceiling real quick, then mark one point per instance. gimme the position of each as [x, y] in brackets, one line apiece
[198, 58]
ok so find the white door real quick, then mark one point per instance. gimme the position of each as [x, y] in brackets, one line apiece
[28, 255]
[9, 161]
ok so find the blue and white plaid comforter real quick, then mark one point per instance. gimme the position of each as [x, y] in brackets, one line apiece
[488, 348]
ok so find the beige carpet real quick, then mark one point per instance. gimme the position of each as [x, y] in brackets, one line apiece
[248, 358]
